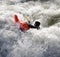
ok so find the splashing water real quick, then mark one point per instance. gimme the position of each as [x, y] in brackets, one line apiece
[34, 43]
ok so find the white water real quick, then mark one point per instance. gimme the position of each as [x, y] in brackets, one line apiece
[34, 43]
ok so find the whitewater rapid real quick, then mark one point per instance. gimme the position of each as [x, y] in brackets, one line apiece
[44, 42]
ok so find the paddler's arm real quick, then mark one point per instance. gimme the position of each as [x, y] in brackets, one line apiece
[31, 26]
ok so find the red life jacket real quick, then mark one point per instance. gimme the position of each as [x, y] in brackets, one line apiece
[22, 25]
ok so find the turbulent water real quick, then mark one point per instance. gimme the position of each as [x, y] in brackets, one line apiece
[44, 42]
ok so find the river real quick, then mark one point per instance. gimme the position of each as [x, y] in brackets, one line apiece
[44, 42]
